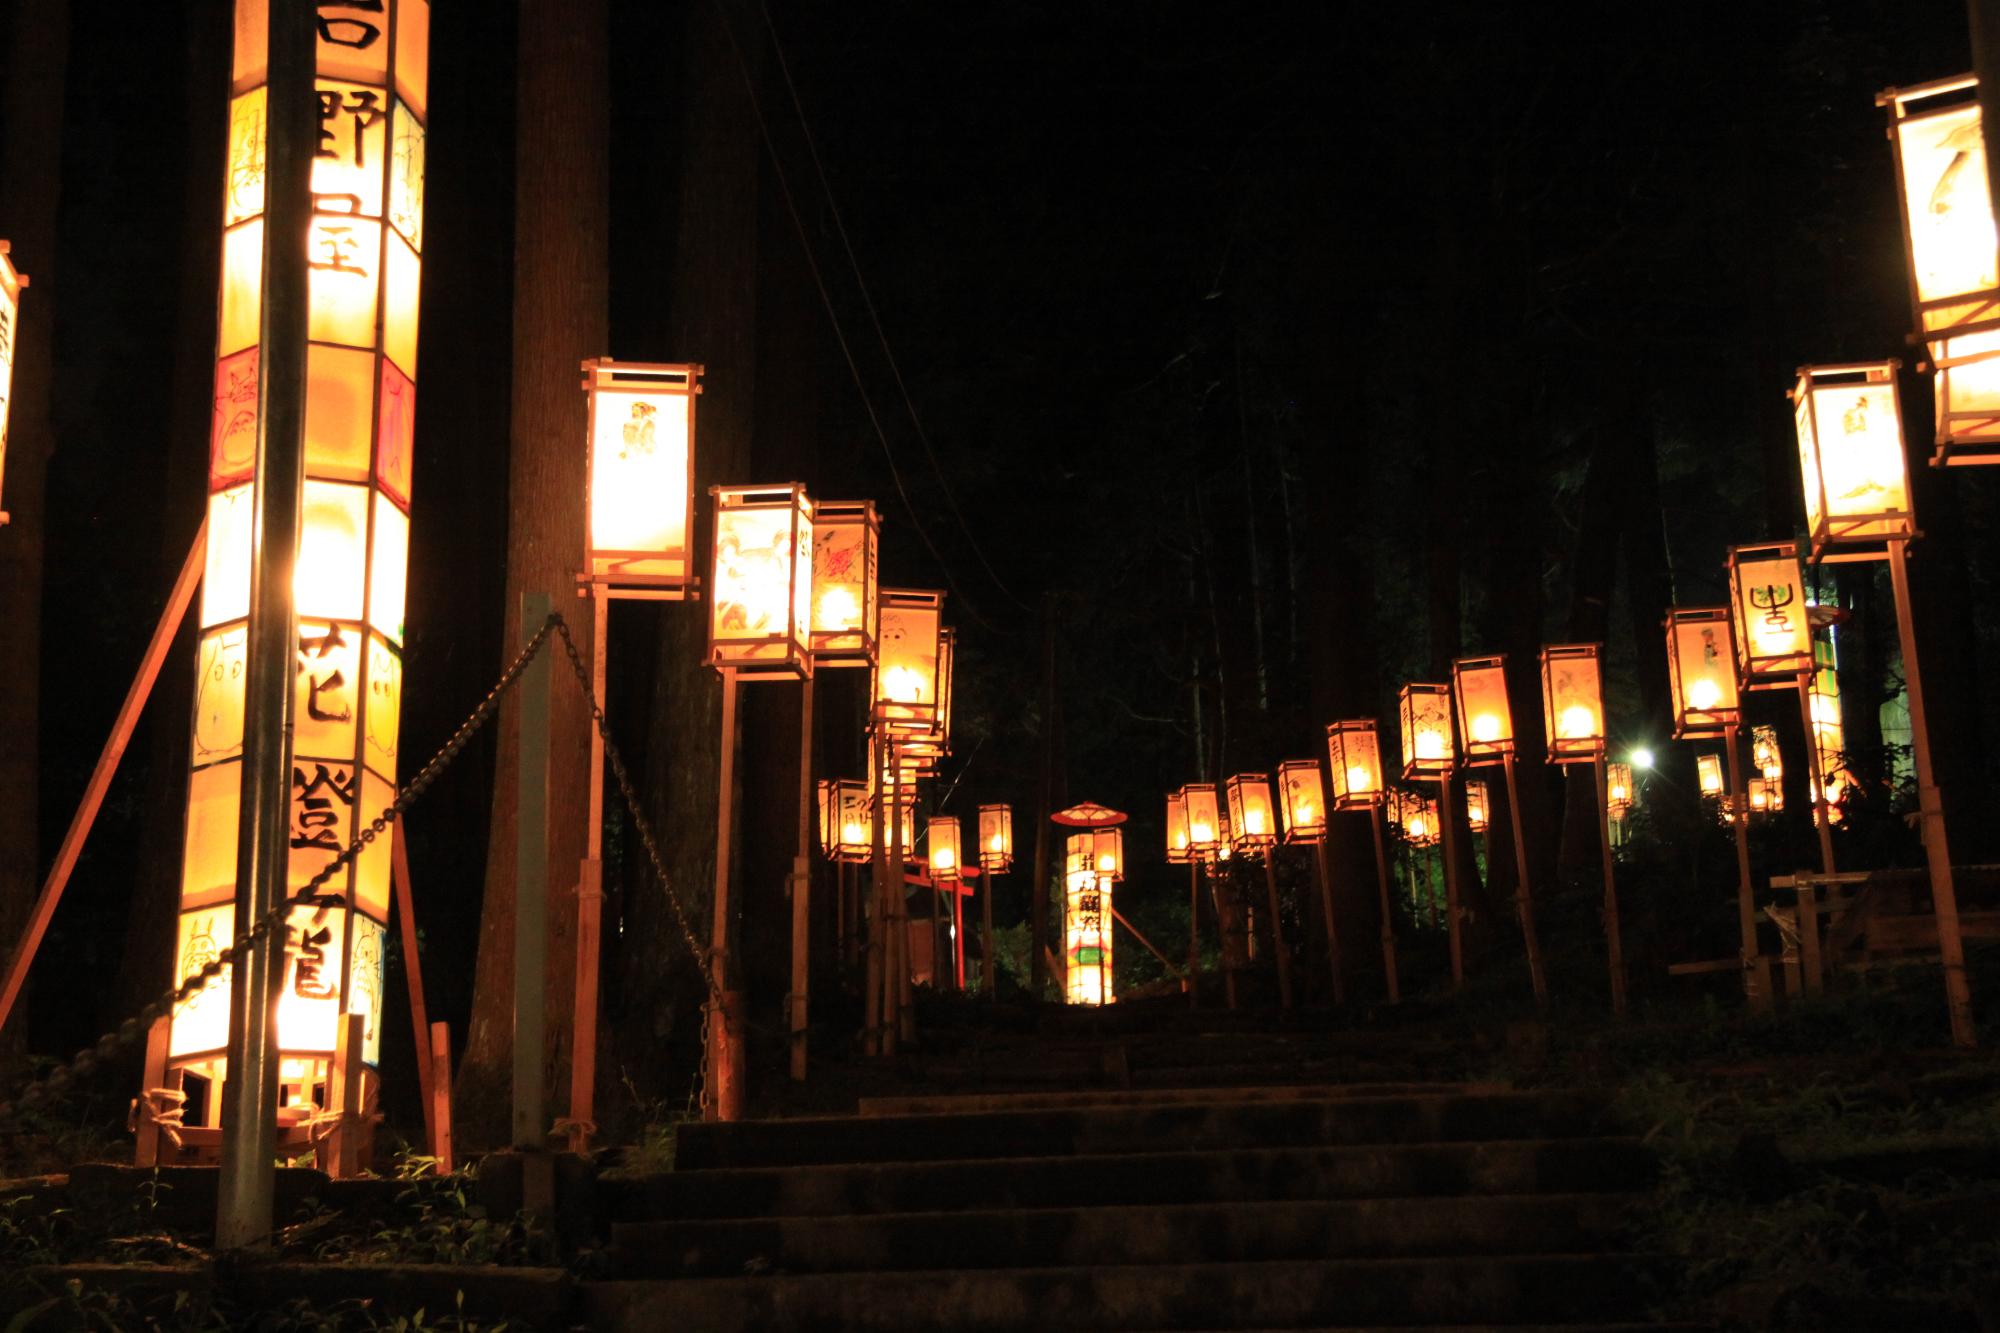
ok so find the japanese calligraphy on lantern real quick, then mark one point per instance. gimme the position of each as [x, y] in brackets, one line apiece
[1701, 671]
[1773, 632]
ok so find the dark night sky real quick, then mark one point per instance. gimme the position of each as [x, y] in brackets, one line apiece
[1090, 232]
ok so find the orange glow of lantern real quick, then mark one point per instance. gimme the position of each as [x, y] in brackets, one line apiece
[640, 487]
[907, 660]
[1708, 774]
[1250, 815]
[1204, 816]
[1086, 922]
[364, 239]
[1829, 731]
[1485, 719]
[996, 839]
[1765, 796]
[760, 581]
[1429, 750]
[1948, 239]
[1620, 794]
[1773, 631]
[1476, 806]
[1852, 467]
[1765, 755]
[846, 614]
[1354, 757]
[1108, 852]
[853, 832]
[1701, 671]
[1415, 818]
[1573, 703]
[944, 861]
[1180, 844]
[11, 283]
[1302, 800]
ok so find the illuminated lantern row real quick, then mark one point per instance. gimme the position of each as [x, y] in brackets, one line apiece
[996, 839]
[1087, 918]
[944, 861]
[11, 283]
[366, 234]
[1485, 719]
[1354, 757]
[760, 581]
[1573, 703]
[845, 610]
[1948, 235]
[1250, 815]
[1180, 843]
[1708, 774]
[1428, 748]
[1302, 800]
[1701, 671]
[1773, 627]
[1477, 807]
[640, 480]
[1855, 477]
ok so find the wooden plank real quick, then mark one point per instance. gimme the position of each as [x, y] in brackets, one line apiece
[413, 968]
[440, 1117]
[147, 1135]
[1899, 933]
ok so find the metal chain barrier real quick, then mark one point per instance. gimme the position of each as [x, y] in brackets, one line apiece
[85, 1061]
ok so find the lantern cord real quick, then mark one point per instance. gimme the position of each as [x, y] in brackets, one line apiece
[826, 299]
[875, 318]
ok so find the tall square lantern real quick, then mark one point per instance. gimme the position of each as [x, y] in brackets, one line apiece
[1485, 719]
[1701, 671]
[760, 581]
[829, 818]
[11, 283]
[1180, 845]
[996, 839]
[944, 859]
[1477, 806]
[1204, 816]
[1086, 924]
[845, 606]
[1302, 800]
[1619, 793]
[364, 241]
[907, 665]
[854, 835]
[1948, 235]
[1708, 774]
[1250, 814]
[1773, 629]
[640, 488]
[1573, 702]
[1428, 747]
[1851, 463]
[1354, 758]
[1107, 852]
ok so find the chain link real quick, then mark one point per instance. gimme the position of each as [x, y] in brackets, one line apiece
[85, 1061]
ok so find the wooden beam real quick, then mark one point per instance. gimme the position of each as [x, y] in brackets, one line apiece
[413, 969]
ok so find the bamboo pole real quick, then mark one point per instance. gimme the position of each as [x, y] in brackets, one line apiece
[1756, 967]
[1613, 948]
[1386, 907]
[590, 897]
[1524, 897]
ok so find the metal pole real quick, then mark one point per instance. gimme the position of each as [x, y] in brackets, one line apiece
[531, 887]
[725, 1041]
[795, 1003]
[1524, 897]
[1613, 948]
[590, 895]
[1324, 875]
[1279, 952]
[1822, 825]
[1446, 824]
[1756, 967]
[1387, 910]
[250, 1093]
[1930, 803]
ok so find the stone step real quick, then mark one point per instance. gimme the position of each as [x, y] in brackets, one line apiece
[1121, 1235]
[1128, 1129]
[1237, 1175]
[1493, 1289]
[965, 1103]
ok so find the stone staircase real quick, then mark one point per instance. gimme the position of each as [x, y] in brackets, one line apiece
[1397, 1203]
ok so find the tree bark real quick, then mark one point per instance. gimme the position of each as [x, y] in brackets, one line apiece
[560, 256]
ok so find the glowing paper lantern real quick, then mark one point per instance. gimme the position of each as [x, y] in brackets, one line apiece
[1620, 794]
[1250, 815]
[1204, 816]
[1086, 923]
[996, 839]
[1485, 719]
[1708, 773]
[364, 238]
[1301, 800]
[1354, 757]
[760, 581]
[1573, 703]
[1476, 806]
[1429, 750]
[846, 613]
[1180, 846]
[846, 830]
[1773, 632]
[1765, 755]
[944, 861]
[11, 283]
[907, 661]
[640, 488]
[1851, 463]
[1107, 853]
[1415, 819]
[1701, 671]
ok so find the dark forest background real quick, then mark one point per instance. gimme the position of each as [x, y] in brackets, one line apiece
[1266, 357]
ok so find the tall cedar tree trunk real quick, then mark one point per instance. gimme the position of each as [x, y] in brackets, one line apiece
[30, 186]
[714, 290]
[1593, 567]
[147, 965]
[562, 184]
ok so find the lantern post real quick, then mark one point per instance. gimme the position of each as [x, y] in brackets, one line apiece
[1255, 826]
[1486, 726]
[996, 858]
[1354, 761]
[1854, 473]
[11, 282]
[639, 526]
[1430, 753]
[1573, 718]
[1701, 678]
[1774, 648]
[1207, 841]
[911, 694]
[1094, 862]
[1181, 851]
[1302, 802]
[759, 628]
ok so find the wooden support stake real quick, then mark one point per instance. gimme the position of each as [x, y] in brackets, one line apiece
[725, 1036]
[413, 969]
[147, 1133]
[1808, 918]
[1323, 873]
[1278, 949]
[1756, 967]
[989, 967]
[440, 1109]
[530, 1125]
[1452, 924]
[1386, 907]
[341, 1155]
[590, 898]
[801, 892]
[1614, 950]
[1166, 962]
[1524, 896]
[169, 623]
[1194, 931]
[1822, 822]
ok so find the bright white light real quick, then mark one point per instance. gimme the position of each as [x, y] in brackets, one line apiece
[1642, 758]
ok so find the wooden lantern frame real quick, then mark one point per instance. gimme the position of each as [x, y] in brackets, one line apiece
[1856, 534]
[1423, 702]
[1560, 658]
[1479, 688]
[996, 820]
[1761, 670]
[1250, 793]
[785, 655]
[847, 535]
[915, 616]
[1478, 805]
[1301, 800]
[941, 851]
[1352, 745]
[663, 573]
[1692, 634]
